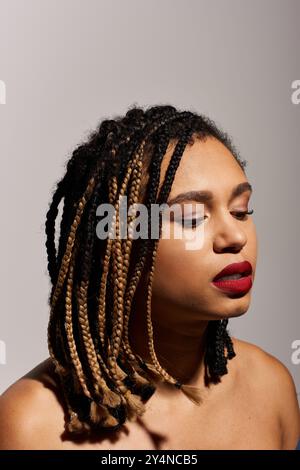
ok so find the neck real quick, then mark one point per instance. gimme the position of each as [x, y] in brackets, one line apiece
[179, 347]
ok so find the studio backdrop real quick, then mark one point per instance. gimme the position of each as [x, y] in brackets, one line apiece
[67, 64]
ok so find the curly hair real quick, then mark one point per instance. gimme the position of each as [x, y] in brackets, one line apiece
[104, 382]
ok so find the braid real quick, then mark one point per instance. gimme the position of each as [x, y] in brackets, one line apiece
[94, 281]
[62, 275]
[50, 229]
[164, 193]
[143, 249]
[215, 360]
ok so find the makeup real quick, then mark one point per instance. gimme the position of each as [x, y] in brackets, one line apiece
[236, 278]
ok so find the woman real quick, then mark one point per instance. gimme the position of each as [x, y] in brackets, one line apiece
[138, 339]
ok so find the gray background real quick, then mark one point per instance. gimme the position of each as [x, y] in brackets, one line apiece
[67, 64]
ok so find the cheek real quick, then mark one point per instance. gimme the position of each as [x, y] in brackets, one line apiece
[252, 245]
[178, 272]
[167, 261]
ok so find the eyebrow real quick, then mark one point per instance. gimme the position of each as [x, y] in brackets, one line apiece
[207, 196]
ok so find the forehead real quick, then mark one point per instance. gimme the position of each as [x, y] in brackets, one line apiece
[204, 165]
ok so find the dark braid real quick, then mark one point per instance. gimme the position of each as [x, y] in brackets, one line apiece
[163, 195]
[217, 339]
[50, 230]
[94, 280]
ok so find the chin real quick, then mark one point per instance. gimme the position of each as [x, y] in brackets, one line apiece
[237, 314]
[239, 308]
[233, 306]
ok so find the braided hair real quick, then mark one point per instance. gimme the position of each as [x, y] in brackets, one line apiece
[104, 382]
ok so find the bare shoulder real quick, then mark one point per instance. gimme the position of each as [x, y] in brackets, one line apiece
[33, 415]
[273, 380]
[31, 411]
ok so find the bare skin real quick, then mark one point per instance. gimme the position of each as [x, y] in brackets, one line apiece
[255, 405]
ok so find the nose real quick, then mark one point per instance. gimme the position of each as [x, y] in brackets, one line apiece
[229, 234]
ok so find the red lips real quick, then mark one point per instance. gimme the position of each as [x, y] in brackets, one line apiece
[242, 268]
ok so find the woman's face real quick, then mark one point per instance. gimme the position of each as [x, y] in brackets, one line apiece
[183, 276]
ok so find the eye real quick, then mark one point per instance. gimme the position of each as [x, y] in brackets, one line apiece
[241, 215]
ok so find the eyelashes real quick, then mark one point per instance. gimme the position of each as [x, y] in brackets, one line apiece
[195, 222]
[243, 214]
